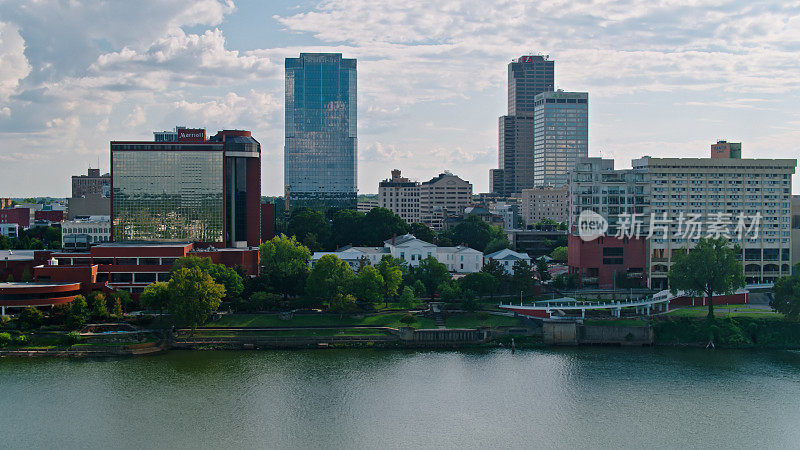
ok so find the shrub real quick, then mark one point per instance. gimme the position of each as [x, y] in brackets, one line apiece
[482, 315]
[469, 302]
[408, 319]
[78, 313]
[30, 318]
[4, 320]
[20, 340]
[407, 298]
[70, 339]
[5, 339]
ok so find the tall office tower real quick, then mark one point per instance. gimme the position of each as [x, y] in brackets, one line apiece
[560, 135]
[320, 167]
[527, 76]
[188, 190]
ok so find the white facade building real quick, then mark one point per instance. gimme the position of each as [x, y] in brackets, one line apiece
[411, 251]
[10, 230]
[80, 232]
[507, 258]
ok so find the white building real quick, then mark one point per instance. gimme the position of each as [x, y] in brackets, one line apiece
[507, 258]
[10, 230]
[410, 250]
[79, 233]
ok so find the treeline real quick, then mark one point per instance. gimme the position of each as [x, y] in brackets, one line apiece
[337, 228]
[34, 238]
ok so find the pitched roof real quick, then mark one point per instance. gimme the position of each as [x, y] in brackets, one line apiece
[507, 254]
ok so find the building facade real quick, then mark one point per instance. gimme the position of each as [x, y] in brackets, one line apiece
[441, 197]
[400, 196]
[725, 149]
[79, 234]
[528, 76]
[195, 190]
[541, 203]
[91, 184]
[795, 232]
[560, 135]
[320, 153]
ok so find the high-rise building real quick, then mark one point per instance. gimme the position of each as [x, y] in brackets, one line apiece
[400, 196]
[90, 184]
[528, 76]
[320, 153]
[560, 135]
[189, 190]
[544, 202]
[429, 202]
[725, 149]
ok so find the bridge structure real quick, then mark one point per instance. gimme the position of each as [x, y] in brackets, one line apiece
[568, 307]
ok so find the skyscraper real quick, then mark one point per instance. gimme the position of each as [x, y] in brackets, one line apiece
[561, 135]
[188, 190]
[527, 76]
[320, 166]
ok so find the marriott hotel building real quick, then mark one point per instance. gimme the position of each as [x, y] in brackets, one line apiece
[192, 189]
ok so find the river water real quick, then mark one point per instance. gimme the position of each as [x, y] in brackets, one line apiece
[562, 398]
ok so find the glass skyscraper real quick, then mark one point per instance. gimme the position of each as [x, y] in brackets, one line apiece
[560, 135]
[320, 152]
[528, 76]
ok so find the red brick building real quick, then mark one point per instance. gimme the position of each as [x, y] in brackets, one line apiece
[19, 216]
[49, 215]
[604, 260]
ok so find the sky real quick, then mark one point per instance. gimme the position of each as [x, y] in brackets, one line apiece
[665, 78]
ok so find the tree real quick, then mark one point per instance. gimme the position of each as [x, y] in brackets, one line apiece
[469, 302]
[431, 273]
[565, 281]
[559, 254]
[30, 318]
[497, 244]
[407, 298]
[346, 228]
[329, 277]
[481, 283]
[710, 267]
[123, 296]
[473, 232]
[391, 269]
[193, 296]
[310, 226]
[449, 290]
[222, 274]
[381, 224]
[78, 313]
[26, 276]
[522, 279]
[496, 270]
[419, 288]
[117, 309]
[99, 309]
[787, 296]
[543, 269]
[284, 264]
[422, 232]
[368, 286]
[342, 304]
[156, 296]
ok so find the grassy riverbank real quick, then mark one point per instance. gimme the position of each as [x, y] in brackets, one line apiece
[736, 332]
[390, 320]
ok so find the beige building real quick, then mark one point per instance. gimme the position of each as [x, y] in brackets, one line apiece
[544, 203]
[430, 202]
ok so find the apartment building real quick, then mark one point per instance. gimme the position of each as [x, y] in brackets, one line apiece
[430, 202]
[723, 194]
[545, 202]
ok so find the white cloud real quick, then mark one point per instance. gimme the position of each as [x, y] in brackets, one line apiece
[13, 63]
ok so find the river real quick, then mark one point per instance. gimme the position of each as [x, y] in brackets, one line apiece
[560, 398]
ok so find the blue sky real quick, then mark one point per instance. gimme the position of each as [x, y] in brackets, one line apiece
[665, 78]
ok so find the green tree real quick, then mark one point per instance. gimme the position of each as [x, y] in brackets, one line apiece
[710, 267]
[368, 285]
[116, 310]
[329, 277]
[787, 296]
[222, 274]
[391, 270]
[449, 290]
[99, 309]
[495, 269]
[407, 298]
[123, 296]
[522, 279]
[419, 288]
[156, 296]
[346, 228]
[309, 226]
[543, 269]
[343, 304]
[284, 264]
[473, 232]
[78, 313]
[559, 254]
[26, 276]
[30, 318]
[481, 283]
[422, 232]
[381, 224]
[469, 302]
[497, 244]
[194, 296]
[431, 273]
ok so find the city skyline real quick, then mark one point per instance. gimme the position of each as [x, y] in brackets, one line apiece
[431, 87]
